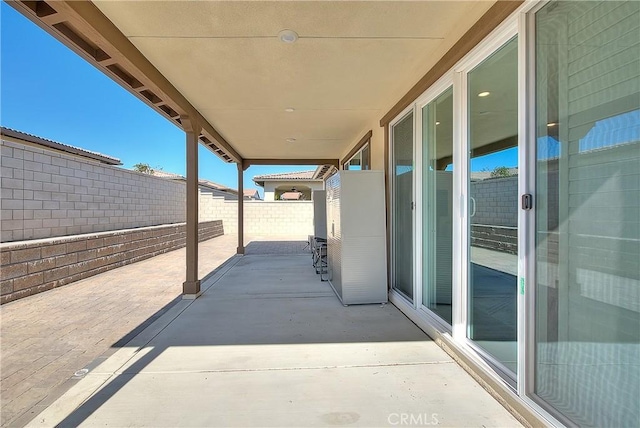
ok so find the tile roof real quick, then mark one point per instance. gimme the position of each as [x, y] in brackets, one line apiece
[34, 139]
[291, 196]
[165, 174]
[299, 175]
[217, 186]
[321, 173]
[201, 181]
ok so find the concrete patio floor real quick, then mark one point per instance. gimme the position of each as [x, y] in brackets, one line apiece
[47, 337]
[268, 344]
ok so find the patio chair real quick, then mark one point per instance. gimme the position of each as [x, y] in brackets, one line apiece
[309, 243]
[320, 256]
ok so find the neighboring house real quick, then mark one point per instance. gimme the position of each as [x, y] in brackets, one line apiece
[296, 186]
[251, 194]
[20, 137]
[205, 185]
[292, 196]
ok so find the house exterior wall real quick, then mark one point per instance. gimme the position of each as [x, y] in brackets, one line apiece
[269, 191]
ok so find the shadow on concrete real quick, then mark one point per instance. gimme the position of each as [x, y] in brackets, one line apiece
[276, 247]
[276, 300]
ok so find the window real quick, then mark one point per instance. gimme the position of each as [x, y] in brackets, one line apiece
[360, 156]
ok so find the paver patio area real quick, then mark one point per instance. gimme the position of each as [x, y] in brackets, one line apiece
[268, 344]
[47, 337]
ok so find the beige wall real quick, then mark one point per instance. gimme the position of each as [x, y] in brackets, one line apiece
[377, 147]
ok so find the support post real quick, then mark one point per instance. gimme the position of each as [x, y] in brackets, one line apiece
[191, 287]
[240, 249]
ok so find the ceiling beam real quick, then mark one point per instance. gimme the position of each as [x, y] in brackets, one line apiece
[82, 27]
[248, 162]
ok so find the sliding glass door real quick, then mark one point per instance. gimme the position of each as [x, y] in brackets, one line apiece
[492, 208]
[437, 205]
[527, 239]
[402, 214]
[587, 301]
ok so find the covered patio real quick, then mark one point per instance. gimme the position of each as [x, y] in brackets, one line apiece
[264, 342]
[269, 344]
[271, 83]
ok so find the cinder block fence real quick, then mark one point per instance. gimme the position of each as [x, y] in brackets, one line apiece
[47, 193]
[30, 267]
[66, 217]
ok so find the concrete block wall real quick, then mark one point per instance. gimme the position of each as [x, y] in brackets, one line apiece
[284, 218]
[211, 207]
[495, 223]
[496, 201]
[503, 239]
[48, 194]
[31, 267]
[261, 218]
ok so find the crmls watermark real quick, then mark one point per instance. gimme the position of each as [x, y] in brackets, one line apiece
[412, 419]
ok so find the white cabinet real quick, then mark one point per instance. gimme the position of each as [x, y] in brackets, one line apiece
[356, 236]
[320, 214]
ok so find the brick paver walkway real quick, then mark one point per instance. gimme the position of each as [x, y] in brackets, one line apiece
[46, 338]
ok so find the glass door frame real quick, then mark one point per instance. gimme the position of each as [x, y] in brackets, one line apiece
[437, 89]
[526, 218]
[461, 257]
[522, 25]
[392, 201]
[527, 244]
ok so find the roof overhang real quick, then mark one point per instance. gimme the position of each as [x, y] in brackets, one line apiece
[221, 64]
[79, 25]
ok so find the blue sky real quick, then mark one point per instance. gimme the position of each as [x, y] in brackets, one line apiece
[49, 91]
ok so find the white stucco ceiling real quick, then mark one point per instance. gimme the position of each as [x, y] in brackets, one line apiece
[352, 62]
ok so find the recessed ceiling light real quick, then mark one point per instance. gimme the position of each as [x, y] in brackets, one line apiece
[291, 140]
[550, 124]
[484, 94]
[437, 123]
[288, 36]
[289, 109]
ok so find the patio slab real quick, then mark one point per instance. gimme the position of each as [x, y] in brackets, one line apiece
[268, 344]
[49, 336]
